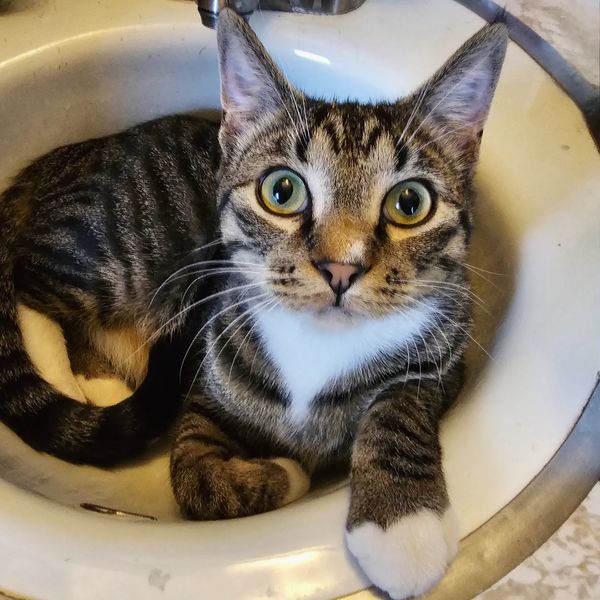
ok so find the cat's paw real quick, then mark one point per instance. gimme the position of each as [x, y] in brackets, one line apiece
[298, 480]
[410, 556]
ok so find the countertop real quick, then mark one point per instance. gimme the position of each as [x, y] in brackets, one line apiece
[566, 567]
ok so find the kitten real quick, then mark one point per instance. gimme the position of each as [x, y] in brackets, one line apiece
[326, 324]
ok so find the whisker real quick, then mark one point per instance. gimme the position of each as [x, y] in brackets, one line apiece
[482, 270]
[214, 343]
[194, 305]
[212, 273]
[284, 106]
[211, 320]
[274, 302]
[214, 242]
[416, 107]
[472, 297]
[482, 276]
[444, 285]
[455, 324]
[200, 264]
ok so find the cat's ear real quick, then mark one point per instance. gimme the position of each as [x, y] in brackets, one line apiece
[459, 95]
[251, 85]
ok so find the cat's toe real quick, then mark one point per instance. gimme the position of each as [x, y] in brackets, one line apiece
[410, 556]
[298, 480]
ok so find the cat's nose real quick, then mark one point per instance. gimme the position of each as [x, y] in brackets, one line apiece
[340, 276]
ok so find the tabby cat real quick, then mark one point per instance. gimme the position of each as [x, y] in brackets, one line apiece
[302, 265]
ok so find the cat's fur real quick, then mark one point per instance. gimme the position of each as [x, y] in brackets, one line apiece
[285, 379]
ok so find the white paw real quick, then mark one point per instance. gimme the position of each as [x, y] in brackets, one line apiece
[410, 556]
[298, 480]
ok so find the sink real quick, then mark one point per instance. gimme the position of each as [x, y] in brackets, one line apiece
[78, 73]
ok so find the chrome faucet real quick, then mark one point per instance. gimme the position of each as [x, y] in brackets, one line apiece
[209, 9]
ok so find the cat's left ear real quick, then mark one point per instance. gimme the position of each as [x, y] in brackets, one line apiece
[459, 95]
[251, 85]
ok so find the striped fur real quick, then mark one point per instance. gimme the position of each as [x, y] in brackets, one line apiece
[284, 378]
[93, 230]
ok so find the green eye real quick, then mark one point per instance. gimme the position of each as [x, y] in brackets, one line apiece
[283, 192]
[407, 203]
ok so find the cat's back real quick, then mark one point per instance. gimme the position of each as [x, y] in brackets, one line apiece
[133, 204]
[179, 142]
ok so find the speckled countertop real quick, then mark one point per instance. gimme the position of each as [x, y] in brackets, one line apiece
[566, 567]
[571, 26]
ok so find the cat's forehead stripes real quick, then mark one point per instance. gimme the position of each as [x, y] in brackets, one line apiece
[350, 129]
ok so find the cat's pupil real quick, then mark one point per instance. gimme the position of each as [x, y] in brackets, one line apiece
[408, 202]
[283, 190]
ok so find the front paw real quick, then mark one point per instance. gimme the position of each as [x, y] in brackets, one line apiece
[408, 557]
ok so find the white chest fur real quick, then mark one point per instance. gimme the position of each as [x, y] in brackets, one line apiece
[311, 354]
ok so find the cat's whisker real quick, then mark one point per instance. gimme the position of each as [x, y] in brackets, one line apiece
[195, 305]
[217, 271]
[250, 311]
[215, 242]
[452, 298]
[211, 273]
[301, 120]
[482, 270]
[420, 367]
[415, 110]
[455, 324]
[274, 302]
[211, 320]
[430, 354]
[482, 276]
[297, 108]
[223, 262]
[306, 126]
[480, 273]
[211, 244]
[440, 327]
[285, 107]
[444, 285]
[432, 330]
[449, 296]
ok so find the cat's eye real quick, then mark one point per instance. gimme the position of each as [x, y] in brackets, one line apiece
[408, 203]
[283, 192]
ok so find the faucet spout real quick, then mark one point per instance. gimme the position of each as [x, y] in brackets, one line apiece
[209, 9]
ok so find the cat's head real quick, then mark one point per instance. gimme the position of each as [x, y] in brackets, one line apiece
[344, 208]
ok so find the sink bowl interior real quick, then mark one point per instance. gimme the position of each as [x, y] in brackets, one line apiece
[534, 266]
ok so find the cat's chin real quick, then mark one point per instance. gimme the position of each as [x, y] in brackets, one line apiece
[333, 317]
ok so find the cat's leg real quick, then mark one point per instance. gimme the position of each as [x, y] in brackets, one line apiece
[213, 477]
[400, 526]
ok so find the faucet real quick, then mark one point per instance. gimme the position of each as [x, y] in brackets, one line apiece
[209, 9]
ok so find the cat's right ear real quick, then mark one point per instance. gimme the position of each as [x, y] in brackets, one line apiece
[251, 85]
[459, 95]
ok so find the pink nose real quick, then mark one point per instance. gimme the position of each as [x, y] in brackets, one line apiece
[340, 276]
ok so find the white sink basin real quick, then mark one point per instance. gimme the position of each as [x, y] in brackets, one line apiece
[93, 71]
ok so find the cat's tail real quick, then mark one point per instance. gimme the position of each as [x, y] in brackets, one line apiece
[52, 422]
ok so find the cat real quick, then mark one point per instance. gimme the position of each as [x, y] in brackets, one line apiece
[298, 272]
